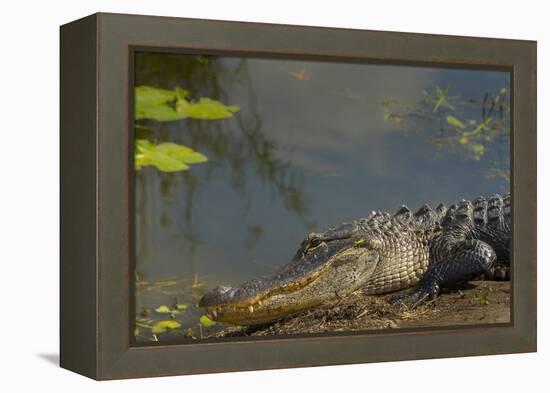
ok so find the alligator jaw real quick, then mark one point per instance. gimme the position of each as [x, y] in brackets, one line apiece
[253, 302]
[307, 281]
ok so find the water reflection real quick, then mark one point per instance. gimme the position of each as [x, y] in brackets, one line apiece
[313, 144]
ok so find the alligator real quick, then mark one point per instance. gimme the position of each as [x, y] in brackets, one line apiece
[424, 252]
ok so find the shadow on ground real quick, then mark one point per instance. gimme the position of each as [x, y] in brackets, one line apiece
[52, 358]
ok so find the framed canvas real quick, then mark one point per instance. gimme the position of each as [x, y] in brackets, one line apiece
[242, 196]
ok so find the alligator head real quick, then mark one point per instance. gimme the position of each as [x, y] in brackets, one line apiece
[326, 266]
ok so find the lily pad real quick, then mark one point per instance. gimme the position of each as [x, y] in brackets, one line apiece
[163, 310]
[163, 326]
[205, 109]
[167, 157]
[206, 322]
[168, 105]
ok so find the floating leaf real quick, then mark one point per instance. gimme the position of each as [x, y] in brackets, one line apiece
[206, 322]
[194, 158]
[477, 149]
[441, 98]
[482, 126]
[163, 309]
[205, 109]
[162, 326]
[155, 103]
[181, 93]
[455, 122]
[166, 163]
[154, 95]
[181, 306]
[167, 157]
[183, 153]
[168, 105]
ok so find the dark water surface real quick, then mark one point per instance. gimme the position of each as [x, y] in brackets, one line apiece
[313, 145]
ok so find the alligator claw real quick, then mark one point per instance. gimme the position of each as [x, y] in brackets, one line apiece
[412, 299]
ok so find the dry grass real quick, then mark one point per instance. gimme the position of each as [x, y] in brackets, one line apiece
[480, 302]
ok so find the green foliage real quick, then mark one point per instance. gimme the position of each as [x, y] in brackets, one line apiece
[440, 98]
[163, 309]
[482, 297]
[455, 118]
[167, 157]
[205, 109]
[471, 134]
[168, 105]
[206, 322]
[455, 122]
[163, 326]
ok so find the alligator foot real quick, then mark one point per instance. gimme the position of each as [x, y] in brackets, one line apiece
[473, 259]
[415, 297]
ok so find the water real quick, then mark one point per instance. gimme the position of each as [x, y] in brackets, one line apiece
[314, 144]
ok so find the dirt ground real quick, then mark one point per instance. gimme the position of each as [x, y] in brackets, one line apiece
[478, 302]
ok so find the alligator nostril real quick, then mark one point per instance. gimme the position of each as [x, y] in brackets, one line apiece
[221, 294]
[223, 289]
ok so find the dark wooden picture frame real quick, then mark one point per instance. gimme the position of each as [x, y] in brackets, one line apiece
[97, 212]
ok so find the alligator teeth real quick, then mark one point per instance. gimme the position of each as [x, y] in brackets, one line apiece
[214, 314]
[251, 309]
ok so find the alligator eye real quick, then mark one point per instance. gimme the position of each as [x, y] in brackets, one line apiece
[314, 244]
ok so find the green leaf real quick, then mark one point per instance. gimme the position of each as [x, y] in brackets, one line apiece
[206, 322]
[167, 157]
[166, 163]
[478, 149]
[206, 109]
[159, 112]
[455, 122]
[193, 158]
[163, 326]
[153, 95]
[168, 105]
[441, 99]
[181, 306]
[173, 149]
[163, 309]
[154, 103]
[181, 93]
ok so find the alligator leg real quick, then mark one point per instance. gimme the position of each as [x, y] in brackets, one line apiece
[473, 258]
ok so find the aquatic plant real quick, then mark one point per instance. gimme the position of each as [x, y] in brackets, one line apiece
[167, 157]
[458, 125]
[170, 105]
[206, 322]
[164, 325]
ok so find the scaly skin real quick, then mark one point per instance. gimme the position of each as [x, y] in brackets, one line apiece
[379, 254]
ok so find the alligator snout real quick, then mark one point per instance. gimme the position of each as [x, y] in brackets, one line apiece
[219, 295]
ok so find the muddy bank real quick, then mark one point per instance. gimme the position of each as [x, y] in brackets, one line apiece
[479, 302]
